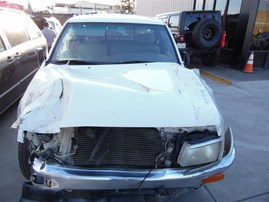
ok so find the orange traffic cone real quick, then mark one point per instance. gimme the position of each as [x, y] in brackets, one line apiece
[249, 65]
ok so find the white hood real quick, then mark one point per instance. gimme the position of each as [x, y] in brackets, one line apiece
[132, 95]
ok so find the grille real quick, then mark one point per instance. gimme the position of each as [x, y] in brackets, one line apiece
[135, 147]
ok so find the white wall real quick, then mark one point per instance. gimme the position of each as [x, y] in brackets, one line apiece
[154, 7]
[83, 7]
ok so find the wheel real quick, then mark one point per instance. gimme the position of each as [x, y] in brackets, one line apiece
[206, 34]
[210, 59]
[23, 158]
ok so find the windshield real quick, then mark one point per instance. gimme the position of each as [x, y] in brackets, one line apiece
[113, 43]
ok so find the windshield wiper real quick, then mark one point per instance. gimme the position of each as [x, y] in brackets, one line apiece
[133, 62]
[77, 62]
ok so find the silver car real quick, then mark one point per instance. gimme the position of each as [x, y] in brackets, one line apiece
[20, 40]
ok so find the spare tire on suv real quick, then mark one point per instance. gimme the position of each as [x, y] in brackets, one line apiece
[197, 32]
[206, 34]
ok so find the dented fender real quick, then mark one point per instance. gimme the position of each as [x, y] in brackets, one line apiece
[40, 108]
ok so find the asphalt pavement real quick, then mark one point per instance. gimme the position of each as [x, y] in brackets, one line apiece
[244, 104]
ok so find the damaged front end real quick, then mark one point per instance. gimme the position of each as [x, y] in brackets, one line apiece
[121, 158]
[70, 143]
[114, 109]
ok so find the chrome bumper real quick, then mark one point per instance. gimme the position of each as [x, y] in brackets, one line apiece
[55, 177]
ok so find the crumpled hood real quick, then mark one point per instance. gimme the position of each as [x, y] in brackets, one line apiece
[133, 95]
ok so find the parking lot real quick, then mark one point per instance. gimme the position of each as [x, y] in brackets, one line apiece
[243, 104]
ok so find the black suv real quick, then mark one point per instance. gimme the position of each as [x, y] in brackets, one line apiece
[197, 32]
[20, 42]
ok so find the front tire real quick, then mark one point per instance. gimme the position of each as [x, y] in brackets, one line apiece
[23, 158]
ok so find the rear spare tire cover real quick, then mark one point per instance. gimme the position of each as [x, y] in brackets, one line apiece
[206, 34]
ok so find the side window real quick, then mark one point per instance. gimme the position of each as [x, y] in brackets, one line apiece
[2, 46]
[173, 21]
[32, 28]
[16, 32]
[190, 21]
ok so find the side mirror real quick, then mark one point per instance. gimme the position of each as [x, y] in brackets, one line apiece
[40, 55]
[186, 58]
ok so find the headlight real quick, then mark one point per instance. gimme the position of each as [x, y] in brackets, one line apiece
[201, 153]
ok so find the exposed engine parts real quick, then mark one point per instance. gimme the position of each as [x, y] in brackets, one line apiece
[91, 146]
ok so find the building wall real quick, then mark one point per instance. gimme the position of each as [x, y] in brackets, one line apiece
[154, 7]
[82, 7]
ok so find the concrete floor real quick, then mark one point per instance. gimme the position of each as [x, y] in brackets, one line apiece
[245, 106]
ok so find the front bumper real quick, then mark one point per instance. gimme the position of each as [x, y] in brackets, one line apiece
[55, 177]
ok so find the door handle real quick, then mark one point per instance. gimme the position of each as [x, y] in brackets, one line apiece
[10, 59]
[17, 55]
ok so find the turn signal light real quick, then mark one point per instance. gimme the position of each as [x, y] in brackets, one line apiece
[213, 178]
[181, 38]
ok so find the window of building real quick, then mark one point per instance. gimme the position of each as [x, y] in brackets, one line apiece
[231, 21]
[260, 37]
[234, 7]
[199, 4]
[209, 4]
[220, 5]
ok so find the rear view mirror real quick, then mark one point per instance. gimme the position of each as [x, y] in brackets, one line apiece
[40, 55]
